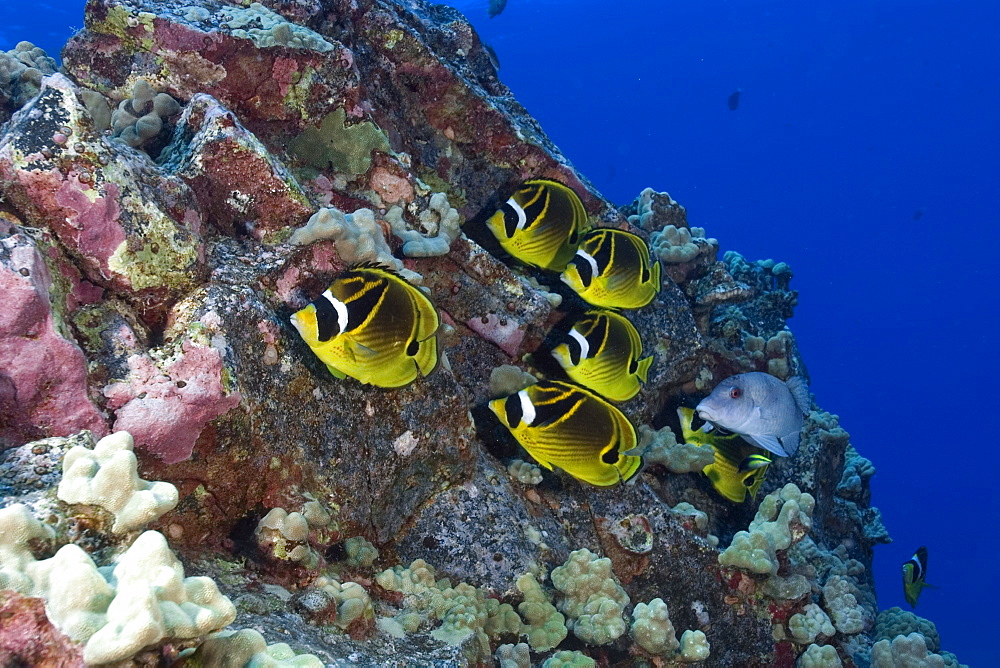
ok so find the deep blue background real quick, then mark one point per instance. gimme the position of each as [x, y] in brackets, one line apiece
[854, 116]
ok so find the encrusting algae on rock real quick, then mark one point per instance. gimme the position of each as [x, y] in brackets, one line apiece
[151, 291]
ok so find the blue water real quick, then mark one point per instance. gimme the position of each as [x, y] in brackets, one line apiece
[854, 116]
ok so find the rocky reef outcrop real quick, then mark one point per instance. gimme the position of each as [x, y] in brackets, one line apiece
[150, 193]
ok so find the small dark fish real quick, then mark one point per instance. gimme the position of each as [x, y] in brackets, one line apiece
[497, 6]
[734, 100]
[493, 56]
[919, 213]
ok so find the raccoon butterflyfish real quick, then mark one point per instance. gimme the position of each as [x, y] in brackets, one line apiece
[540, 224]
[565, 425]
[739, 468]
[373, 326]
[914, 572]
[601, 352]
[612, 269]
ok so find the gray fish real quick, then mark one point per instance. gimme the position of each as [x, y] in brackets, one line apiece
[761, 408]
[497, 6]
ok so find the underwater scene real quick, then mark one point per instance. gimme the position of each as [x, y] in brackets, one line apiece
[498, 333]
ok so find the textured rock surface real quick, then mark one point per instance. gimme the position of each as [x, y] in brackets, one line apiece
[150, 290]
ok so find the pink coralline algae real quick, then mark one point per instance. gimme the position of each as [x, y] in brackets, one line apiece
[88, 219]
[506, 333]
[45, 375]
[166, 410]
[29, 638]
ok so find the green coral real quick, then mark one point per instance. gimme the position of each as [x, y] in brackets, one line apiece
[809, 623]
[360, 553]
[344, 148]
[819, 656]
[652, 629]
[465, 612]
[592, 600]
[245, 648]
[783, 518]
[546, 626]
[568, 659]
[908, 651]
[661, 447]
[694, 646]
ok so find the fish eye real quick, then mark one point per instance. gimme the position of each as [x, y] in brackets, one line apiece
[611, 456]
[735, 393]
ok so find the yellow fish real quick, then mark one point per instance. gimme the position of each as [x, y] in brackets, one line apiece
[540, 224]
[373, 326]
[601, 352]
[739, 467]
[612, 269]
[562, 424]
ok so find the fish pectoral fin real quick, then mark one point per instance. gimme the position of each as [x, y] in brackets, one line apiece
[360, 350]
[790, 442]
[543, 463]
[657, 283]
[766, 441]
[643, 371]
[336, 373]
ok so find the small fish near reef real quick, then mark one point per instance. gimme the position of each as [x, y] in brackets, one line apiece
[739, 468]
[541, 224]
[601, 352]
[497, 6]
[762, 409]
[734, 100]
[373, 326]
[565, 425]
[612, 269]
[914, 572]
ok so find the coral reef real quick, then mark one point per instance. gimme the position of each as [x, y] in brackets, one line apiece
[21, 72]
[148, 290]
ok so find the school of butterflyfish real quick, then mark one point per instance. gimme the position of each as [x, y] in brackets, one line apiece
[374, 326]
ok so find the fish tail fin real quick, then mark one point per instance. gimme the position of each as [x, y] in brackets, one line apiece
[643, 370]
[630, 467]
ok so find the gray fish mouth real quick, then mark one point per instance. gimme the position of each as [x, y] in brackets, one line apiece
[704, 413]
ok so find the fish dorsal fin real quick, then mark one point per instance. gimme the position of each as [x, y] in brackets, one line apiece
[643, 371]
[768, 442]
[800, 392]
